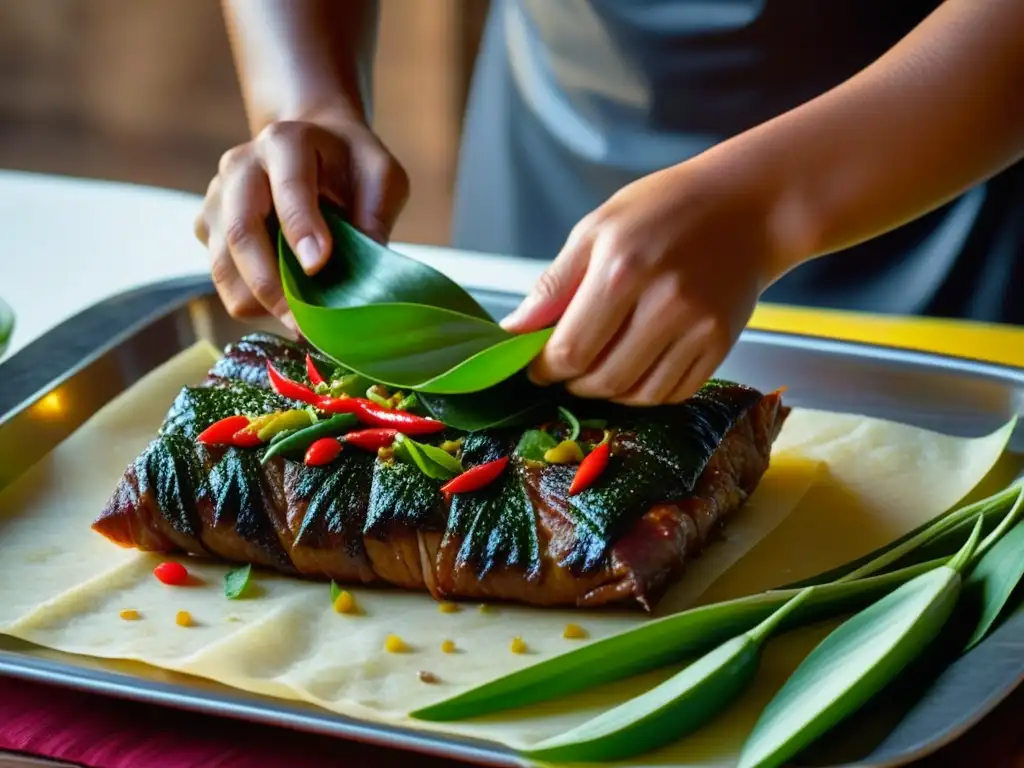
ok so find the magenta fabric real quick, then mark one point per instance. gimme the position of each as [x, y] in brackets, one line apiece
[101, 732]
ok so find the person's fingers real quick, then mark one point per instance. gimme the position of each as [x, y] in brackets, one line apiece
[553, 291]
[211, 203]
[649, 333]
[238, 300]
[658, 382]
[245, 206]
[695, 378]
[604, 300]
[380, 189]
[289, 155]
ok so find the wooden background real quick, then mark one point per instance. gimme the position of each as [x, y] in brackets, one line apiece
[145, 91]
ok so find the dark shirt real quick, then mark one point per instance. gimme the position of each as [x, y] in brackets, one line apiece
[573, 99]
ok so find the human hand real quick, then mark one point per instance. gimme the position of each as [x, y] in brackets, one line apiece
[285, 169]
[651, 289]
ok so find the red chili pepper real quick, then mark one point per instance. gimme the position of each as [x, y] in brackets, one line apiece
[285, 387]
[221, 432]
[245, 438]
[371, 439]
[477, 477]
[374, 415]
[323, 451]
[171, 573]
[314, 375]
[590, 468]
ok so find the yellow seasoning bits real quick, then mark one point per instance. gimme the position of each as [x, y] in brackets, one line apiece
[447, 607]
[447, 646]
[518, 645]
[574, 632]
[395, 644]
[428, 677]
[183, 619]
[345, 603]
[130, 614]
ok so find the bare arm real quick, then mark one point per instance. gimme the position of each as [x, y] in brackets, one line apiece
[942, 111]
[296, 58]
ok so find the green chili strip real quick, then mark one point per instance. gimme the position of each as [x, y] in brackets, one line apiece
[297, 442]
[574, 423]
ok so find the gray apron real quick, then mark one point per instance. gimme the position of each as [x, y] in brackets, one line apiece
[572, 99]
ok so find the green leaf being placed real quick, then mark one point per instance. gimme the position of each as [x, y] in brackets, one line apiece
[398, 321]
[236, 582]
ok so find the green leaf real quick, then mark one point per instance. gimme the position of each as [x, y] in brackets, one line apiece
[335, 591]
[572, 421]
[398, 321]
[513, 402]
[236, 582]
[6, 324]
[660, 642]
[534, 443]
[995, 576]
[427, 458]
[855, 662]
[678, 706]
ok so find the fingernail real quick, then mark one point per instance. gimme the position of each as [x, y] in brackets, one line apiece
[308, 251]
[519, 313]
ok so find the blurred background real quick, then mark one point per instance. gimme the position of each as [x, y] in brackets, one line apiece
[145, 91]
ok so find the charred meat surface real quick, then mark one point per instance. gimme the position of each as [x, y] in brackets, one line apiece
[674, 475]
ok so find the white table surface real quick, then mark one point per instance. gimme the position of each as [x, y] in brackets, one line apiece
[69, 243]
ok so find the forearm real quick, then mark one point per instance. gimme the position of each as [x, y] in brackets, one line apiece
[296, 58]
[940, 112]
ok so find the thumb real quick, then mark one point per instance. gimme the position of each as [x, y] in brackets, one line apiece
[552, 292]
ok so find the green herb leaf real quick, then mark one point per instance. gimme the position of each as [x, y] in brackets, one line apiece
[426, 333]
[335, 591]
[429, 459]
[513, 402]
[855, 662]
[574, 423]
[996, 575]
[236, 582]
[660, 642]
[534, 443]
[673, 709]
[6, 324]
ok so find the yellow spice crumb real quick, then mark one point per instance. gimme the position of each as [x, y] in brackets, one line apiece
[574, 632]
[345, 602]
[448, 646]
[447, 607]
[395, 644]
[183, 619]
[129, 614]
[518, 645]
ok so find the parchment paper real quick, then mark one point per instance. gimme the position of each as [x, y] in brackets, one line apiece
[838, 487]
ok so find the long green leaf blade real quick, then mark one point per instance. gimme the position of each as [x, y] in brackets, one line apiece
[675, 708]
[399, 322]
[855, 662]
[994, 579]
[658, 643]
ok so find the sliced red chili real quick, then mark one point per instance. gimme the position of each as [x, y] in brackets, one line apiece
[323, 451]
[314, 375]
[171, 573]
[285, 387]
[374, 415]
[372, 439]
[221, 432]
[477, 477]
[245, 438]
[590, 468]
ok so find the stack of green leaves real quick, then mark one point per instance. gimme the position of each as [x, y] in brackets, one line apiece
[899, 601]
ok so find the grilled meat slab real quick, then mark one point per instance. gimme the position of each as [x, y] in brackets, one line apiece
[675, 475]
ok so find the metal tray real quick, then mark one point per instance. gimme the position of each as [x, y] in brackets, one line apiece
[94, 356]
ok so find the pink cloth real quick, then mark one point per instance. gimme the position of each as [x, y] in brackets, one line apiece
[100, 732]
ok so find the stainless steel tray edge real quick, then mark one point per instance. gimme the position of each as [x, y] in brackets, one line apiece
[142, 329]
